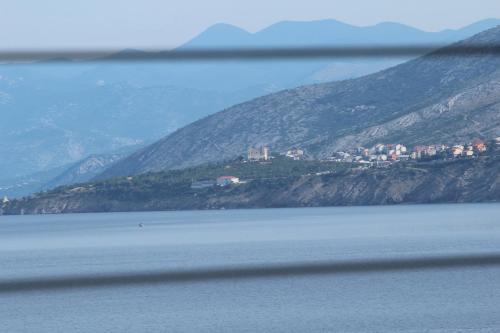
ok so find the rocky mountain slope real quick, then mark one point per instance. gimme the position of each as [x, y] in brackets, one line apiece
[84, 170]
[56, 113]
[433, 99]
[457, 181]
[79, 172]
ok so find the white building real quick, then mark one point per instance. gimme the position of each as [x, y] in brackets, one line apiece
[457, 150]
[227, 180]
[295, 154]
[401, 149]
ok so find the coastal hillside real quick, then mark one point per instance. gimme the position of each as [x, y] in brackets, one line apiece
[433, 99]
[281, 182]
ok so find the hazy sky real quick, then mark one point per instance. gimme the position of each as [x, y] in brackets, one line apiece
[165, 23]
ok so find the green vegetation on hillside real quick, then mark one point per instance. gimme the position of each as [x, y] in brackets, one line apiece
[278, 183]
[176, 181]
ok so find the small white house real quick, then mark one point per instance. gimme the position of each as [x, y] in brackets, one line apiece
[382, 157]
[457, 150]
[295, 154]
[227, 180]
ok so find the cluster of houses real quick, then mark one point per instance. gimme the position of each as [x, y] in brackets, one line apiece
[386, 154]
[380, 155]
[262, 154]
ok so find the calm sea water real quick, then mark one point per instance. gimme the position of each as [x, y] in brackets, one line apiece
[440, 300]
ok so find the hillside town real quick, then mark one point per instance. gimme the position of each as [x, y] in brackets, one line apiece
[382, 155]
[379, 156]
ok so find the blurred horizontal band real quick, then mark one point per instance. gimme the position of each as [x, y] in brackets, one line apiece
[213, 54]
[250, 272]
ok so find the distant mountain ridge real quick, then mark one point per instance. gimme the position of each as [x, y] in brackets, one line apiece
[328, 32]
[56, 114]
[432, 99]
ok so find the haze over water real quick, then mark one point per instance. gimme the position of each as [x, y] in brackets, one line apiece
[438, 300]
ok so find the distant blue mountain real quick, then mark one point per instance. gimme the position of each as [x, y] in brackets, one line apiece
[329, 32]
[220, 35]
[55, 114]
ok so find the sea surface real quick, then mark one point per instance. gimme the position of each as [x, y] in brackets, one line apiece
[458, 299]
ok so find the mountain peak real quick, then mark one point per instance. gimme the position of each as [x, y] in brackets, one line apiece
[330, 23]
[220, 35]
[224, 28]
[394, 25]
